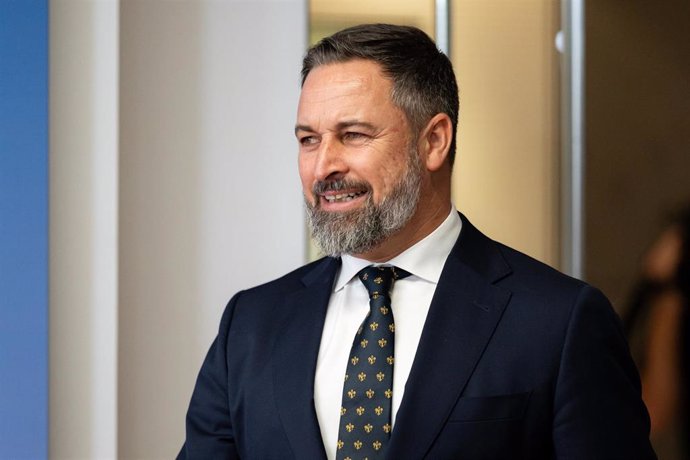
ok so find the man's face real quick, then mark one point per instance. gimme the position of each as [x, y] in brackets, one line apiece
[360, 171]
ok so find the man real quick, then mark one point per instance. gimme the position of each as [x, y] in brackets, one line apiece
[418, 337]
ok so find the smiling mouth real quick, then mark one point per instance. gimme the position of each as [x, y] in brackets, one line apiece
[343, 197]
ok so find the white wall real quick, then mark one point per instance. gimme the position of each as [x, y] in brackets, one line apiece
[202, 200]
[83, 229]
[210, 200]
[506, 176]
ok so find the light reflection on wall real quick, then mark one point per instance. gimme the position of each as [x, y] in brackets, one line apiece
[327, 16]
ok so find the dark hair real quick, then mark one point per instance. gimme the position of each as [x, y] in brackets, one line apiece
[423, 80]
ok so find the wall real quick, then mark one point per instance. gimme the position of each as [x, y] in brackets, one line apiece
[210, 201]
[173, 185]
[327, 17]
[638, 133]
[507, 168]
[83, 229]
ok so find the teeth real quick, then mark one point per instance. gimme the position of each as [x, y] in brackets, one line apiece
[342, 197]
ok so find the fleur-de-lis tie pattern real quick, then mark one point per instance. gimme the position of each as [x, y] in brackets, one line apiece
[365, 413]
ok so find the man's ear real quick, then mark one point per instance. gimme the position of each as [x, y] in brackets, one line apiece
[434, 143]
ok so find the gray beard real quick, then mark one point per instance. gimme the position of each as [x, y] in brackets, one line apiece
[361, 230]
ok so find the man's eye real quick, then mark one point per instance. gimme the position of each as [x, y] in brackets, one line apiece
[354, 136]
[308, 140]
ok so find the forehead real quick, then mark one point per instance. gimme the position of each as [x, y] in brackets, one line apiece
[357, 85]
[363, 70]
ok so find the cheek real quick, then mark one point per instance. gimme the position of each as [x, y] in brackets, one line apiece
[386, 177]
[381, 182]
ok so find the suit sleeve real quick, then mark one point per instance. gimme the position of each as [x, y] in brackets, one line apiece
[598, 409]
[209, 433]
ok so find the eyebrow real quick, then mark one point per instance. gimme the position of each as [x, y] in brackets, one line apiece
[339, 127]
[303, 128]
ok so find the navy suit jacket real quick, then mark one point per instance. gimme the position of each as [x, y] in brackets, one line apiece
[516, 361]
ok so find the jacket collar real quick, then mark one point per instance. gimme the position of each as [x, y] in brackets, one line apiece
[465, 310]
[294, 359]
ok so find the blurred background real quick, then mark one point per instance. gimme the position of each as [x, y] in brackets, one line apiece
[148, 172]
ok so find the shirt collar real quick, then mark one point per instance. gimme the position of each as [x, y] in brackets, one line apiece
[425, 259]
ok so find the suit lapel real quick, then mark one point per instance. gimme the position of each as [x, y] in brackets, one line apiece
[463, 315]
[294, 360]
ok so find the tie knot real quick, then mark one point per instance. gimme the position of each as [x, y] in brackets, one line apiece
[379, 279]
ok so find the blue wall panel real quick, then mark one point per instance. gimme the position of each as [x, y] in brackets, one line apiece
[23, 229]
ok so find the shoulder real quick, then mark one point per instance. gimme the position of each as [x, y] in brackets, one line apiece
[565, 301]
[267, 299]
[317, 271]
[510, 268]
[272, 293]
[530, 274]
[542, 300]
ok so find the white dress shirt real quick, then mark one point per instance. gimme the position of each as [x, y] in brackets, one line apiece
[348, 307]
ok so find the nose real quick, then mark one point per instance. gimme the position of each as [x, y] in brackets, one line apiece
[330, 160]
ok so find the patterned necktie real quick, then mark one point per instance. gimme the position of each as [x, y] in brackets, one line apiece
[365, 414]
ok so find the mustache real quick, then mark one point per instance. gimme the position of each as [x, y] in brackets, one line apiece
[338, 185]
